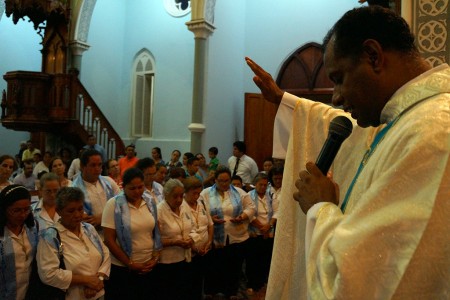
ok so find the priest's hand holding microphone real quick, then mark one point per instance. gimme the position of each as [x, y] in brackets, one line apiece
[314, 184]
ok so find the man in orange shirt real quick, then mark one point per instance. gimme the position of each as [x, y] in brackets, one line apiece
[129, 160]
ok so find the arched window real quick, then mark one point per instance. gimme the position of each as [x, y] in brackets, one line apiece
[142, 97]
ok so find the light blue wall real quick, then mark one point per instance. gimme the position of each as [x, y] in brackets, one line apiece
[101, 68]
[172, 46]
[19, 50]
[224, 107]
[266, 30]
[275, 29]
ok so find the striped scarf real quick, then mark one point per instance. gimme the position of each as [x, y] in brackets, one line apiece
[216, 209]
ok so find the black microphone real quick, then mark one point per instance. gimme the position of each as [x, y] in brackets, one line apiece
[340, 128]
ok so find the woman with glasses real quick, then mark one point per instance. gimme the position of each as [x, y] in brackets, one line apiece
[18, 240]
[231, 210]
[114, 171]
[44, 210]
[203, 225]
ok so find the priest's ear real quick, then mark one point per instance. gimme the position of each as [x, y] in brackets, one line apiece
[373, 53]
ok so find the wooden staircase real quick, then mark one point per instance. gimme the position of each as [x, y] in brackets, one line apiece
[57, 104]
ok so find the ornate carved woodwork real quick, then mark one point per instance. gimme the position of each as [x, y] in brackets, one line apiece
[58, 104]
[38, 11]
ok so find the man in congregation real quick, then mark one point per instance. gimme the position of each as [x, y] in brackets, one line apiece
[30, 151]
[27, 178]
[129, 160]
[242, 165]
[97, 189]
[384, 234]
[93, 145]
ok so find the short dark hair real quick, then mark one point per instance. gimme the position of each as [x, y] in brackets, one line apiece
[191, 160]
[160, 165]
[220, 170]
[277, 170]
[188, 155]
[191, 183]
[213, 150]
[131, 174]
[236, 177]
[144, 163]
[177, 172]
[240, 145]
[372, 22]
[68, 194]
[84, 159]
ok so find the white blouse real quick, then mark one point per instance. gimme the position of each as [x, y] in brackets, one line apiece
[81, 257]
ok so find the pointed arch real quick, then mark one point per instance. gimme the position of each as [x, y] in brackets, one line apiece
[143, 73]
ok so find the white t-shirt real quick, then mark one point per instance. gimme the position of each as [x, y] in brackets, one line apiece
[142, 224]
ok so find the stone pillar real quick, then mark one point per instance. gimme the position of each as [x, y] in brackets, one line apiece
[77, 49]
[202, 29]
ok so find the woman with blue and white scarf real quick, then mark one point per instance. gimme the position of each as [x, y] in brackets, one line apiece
[261, 229]
[130, 225]
[231, 210]
[18, 240]
[86, 258]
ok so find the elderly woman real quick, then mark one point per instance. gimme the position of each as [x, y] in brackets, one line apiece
[18, 241]
[58, 167]
[44, 210]
[261, 230]
[231, 209]
[7, 165]
[178, 237]
[131, 231]
[86, 258]
[204, 228]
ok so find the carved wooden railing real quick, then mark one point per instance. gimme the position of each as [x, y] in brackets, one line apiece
[56, 103]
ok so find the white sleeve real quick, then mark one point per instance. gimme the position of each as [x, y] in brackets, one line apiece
[283, 125]
[108, 214]
[72, 170]
[48, 266]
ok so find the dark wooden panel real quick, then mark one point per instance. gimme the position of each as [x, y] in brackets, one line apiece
[258, 132]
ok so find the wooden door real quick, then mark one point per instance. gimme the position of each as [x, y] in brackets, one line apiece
[258, 131]
[303, 75]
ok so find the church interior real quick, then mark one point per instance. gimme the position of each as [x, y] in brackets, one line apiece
[167, 73]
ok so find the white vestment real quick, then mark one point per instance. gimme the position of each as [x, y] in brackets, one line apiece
[393, 241]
